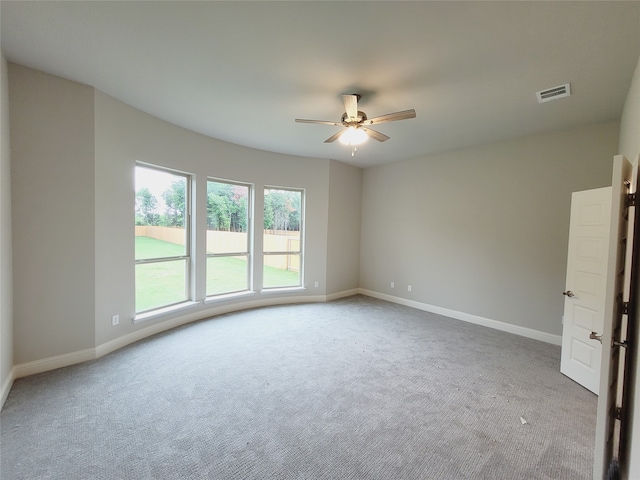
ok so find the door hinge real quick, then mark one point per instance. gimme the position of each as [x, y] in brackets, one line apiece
[625, 308]
[616, 343]
[617, 413]
[631, 200]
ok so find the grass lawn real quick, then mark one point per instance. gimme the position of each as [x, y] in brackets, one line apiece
[159, 284]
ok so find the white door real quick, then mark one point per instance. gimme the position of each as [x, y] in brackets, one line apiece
[585, 289]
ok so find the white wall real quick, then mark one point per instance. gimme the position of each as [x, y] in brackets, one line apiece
[482, 232]
[6, 271]
[52, 177]
[345, 204]
[630, 148]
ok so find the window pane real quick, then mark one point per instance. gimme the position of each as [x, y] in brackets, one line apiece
[282, 220]
[160, 283]
[227, 274]
[227, 217]
[160, 213]
[281, 271]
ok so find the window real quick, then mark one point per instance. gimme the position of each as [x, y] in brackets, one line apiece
[162, 238]
[282, 241]
[228, 237]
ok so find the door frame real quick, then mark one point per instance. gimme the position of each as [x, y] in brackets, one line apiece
[621, 280]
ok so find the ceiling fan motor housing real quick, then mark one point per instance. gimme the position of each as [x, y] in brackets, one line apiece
[361, 118]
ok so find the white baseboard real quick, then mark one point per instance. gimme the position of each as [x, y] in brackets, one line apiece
[153, 327]
[467, 317]
[51, 363]
[344, 293]
[65, 360]
[6, 387]
[211, 311]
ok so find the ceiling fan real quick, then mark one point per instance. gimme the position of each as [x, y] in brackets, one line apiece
[357, 124]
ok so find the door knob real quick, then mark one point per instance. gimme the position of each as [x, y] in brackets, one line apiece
[568, 293]
[595, 336]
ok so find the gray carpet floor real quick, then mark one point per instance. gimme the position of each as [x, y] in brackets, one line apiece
[358, 388]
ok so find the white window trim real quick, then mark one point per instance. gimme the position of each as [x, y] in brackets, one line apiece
[163, 311]
[188, 257]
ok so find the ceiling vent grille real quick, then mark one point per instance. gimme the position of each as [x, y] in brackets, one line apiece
[554, 93]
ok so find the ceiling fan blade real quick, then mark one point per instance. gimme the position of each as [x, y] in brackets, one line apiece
[351, 106]
[390, 117]
[322, 122]
[333, 138]
[381, 137]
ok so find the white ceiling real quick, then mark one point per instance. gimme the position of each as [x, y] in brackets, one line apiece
[243, 71]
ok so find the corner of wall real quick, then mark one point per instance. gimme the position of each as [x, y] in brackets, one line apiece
[52, 184]
[343, 232]
[6, 269]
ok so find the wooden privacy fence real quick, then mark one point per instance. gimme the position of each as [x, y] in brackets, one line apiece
[229, 242]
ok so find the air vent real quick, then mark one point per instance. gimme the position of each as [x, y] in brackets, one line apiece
[554, 93]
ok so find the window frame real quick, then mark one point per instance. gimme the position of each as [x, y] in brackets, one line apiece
[249, 247]
[187, 257]
[300, 252]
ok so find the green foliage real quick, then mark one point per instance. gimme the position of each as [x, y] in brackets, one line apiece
[146, 208]
[269, 215]
[282, 210]
[227, 207]
[218, 212]
[175, 201]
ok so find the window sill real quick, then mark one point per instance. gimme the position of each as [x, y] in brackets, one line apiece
[267, 291]
[228, 296]
[160, 312]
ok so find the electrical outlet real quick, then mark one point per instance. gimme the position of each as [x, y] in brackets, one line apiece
[317, 284]
[393, 285]
[115, 320]
[408, 288]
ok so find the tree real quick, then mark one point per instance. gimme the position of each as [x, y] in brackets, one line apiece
[227, 206]
[146, 207]
[282, 210]
[218, 212]
[268, 214]
[239, 208]
[174, 199]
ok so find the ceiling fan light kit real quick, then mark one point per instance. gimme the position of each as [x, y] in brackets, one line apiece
[354, 121]
[353, 136]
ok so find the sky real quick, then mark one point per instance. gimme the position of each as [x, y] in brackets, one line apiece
[156, 181]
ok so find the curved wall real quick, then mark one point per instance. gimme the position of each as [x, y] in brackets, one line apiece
[73, 158]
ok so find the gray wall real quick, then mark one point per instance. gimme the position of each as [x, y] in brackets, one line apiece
[52, 181]
[6, 280]
[125, 135]
[74, 151]
[482, 231]
[345, 203]
[630, 148]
